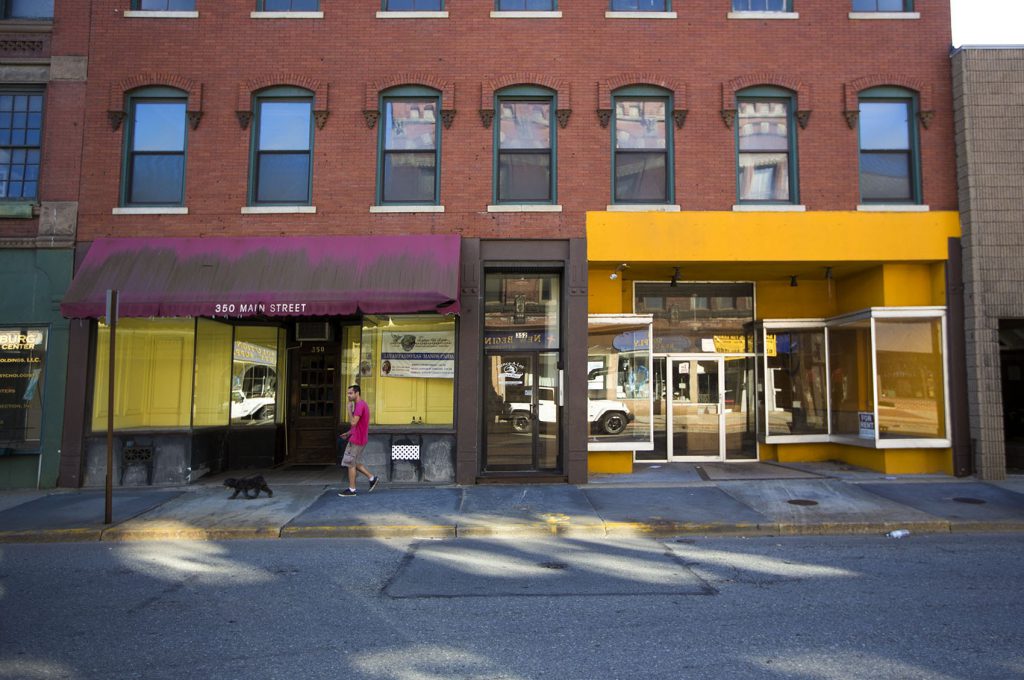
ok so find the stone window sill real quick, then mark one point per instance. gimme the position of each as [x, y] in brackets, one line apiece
[151, 14]
[154, 210]
[640, 15]
[406, 208]
[524, 208]
[279, 210]
[643, 207]
[885, 15]
[526, 15]
[286, 15]
[892, 207]
[412, 15]
[763, 15]
[768, 207]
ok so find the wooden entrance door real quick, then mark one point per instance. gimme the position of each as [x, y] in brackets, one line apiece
[315, 396]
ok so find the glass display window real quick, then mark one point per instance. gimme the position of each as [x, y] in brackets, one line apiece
[619, 389]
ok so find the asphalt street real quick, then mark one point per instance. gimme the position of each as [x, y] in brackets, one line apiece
[936, 606]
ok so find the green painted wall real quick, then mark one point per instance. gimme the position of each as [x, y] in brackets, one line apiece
[33, 283]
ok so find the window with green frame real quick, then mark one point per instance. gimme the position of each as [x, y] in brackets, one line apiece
[883, 5]
[889, 156]
[21, 128]
[413, 5]
[762, 5]
[642, 145]
[282, 147]
[26, 9]
[164, 5]
[524, 142]
[766, 169]
[410, 145]
[641, 5]
[288, 5]
[155, 142]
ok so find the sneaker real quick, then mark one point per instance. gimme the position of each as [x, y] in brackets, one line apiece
[373, 483]
[346, 492]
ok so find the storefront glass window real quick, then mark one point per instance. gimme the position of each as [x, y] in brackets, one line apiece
[619, 381]
[406, 368]
[686, 323]
[911, 398]
[22, 369]
[153, 374]
[521, 311]
[850, 361]
[210, 403]
[794, 383]
[255, 376]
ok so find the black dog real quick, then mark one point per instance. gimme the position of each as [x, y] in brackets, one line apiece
[247, 484]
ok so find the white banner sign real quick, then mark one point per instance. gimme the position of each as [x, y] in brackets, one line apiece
[418, 355]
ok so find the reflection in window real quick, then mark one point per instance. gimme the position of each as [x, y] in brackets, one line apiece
[764, 164]
[283, 151]
[27, 9]
[760, 5]
[619, 381]
[414, 5]
[526, 5]
[639, 5]
[525, 137]
[851, 364]
[256, 360]
[886, 151]
[685, 322]
[290, 5]
[165, 5]
[410, 142]
[641, 151]
[883, 5]
[405, 369]
[21, 123]
[794, 384]
[521, 311]
[155, 172]
[911, 397]
[23, 358]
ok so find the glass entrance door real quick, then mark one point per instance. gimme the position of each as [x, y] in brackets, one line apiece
[696, 409]
[522, 412]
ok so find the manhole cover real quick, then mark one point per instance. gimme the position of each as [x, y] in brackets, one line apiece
[554, 565]
[970, 501]
[802, 501]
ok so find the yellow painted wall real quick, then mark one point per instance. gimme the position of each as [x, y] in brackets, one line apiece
[809, 299]
[610, 462]
[605, 295]
[886, 461]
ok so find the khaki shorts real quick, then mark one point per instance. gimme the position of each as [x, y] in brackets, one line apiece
[353, 455]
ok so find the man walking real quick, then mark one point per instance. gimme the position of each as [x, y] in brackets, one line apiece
[357, 436]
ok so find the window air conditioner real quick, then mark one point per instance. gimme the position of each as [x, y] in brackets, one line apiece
[315, 331]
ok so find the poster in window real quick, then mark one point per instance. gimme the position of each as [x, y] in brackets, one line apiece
[427, 354]
[22, 366]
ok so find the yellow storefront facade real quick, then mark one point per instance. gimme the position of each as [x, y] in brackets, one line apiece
[774, 336]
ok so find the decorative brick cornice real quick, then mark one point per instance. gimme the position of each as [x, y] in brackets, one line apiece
[853, 88]
[800, 88]
[562, 88]
[248, 89]
[371, 100]
[606, 88]
[120, 90]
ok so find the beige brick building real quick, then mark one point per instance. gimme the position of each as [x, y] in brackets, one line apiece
[989, 114]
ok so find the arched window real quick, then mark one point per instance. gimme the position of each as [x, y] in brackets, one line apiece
[410, 144]
[766, 168]
[282, 144]
[889, 156]
[642, 144]
[155, 141]
[524, 144]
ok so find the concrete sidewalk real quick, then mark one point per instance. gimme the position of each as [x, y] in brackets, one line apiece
[696, 499]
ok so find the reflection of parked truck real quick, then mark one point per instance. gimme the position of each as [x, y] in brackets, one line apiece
[606, 416]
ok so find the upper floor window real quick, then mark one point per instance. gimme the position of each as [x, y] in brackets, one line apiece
[526, 5]
[413, 5]
[21, 124]
[640, 5]
[525, 143]
[164, 5]
[765, 147]
[289, 5]
[409, 147]
[26, 9]
[154, 168]
[883, 5]
[762, 5]
[642, 160]
[889, 160]
[282, 147]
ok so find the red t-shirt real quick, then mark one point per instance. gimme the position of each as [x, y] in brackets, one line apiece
[361, 432]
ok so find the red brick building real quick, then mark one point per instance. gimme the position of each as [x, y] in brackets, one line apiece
[702, 142]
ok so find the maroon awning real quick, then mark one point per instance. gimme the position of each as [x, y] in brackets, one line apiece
[301, 276]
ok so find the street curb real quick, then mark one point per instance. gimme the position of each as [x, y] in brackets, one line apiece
[369, 531]
[51, 536]
[666, 529]
[188, 533]
[862, 528]
[526, 530]
[981, 527]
